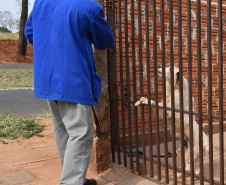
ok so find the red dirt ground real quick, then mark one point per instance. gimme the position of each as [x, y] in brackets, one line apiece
[35, 159]
[8, 53]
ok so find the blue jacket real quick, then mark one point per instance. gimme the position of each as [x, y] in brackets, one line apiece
[62, 33]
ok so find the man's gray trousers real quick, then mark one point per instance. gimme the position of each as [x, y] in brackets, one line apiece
[73, 131]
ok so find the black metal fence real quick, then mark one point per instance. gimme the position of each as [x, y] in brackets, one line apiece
[187, 34]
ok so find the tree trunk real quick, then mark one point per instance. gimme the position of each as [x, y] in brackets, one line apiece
[22, 48]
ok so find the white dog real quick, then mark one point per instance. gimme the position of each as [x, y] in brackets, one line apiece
[177, 116]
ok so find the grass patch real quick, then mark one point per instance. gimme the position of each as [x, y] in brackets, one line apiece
[10, 36]
[16, 78]
[45, 115]
[12, 127]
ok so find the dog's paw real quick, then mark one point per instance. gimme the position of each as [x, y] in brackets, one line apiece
[144, 100]
[137, 103]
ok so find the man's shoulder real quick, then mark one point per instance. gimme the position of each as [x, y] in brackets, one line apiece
[92, 5]
[88, 7]
[89, 3]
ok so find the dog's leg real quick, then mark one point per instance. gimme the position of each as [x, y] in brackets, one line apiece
[205, 143]
[196, 159]
[196, 162]
[187, 159]
[187, 162]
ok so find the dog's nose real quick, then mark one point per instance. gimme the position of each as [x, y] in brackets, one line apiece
[160, 66]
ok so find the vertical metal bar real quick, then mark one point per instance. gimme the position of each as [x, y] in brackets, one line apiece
[110, 59]
[128, 84]
[156, 92]
[134, 83]
[190, 92]
[163, 72]
[220, 61]
[141, 86]
[172, 92]
[148, 79]
[200, 92]
[148, 84]
[121, 81]
[181, 91]
[210, 90]
[123, 105]
[112, 71]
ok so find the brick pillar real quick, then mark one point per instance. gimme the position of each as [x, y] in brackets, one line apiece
[101, 143]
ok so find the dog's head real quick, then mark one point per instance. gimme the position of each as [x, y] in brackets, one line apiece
[168, 74]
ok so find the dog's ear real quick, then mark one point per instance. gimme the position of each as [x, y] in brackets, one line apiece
[177, 75]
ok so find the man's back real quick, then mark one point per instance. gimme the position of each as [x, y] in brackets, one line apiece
[61, 33]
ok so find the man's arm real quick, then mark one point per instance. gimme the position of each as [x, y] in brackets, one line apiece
[101, 33]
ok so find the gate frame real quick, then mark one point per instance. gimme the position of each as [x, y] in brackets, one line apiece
[111, 10]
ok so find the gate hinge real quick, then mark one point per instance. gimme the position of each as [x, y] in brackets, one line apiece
[111, 50]
[110, 3]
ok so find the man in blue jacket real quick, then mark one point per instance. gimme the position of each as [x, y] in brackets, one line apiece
[62, 33]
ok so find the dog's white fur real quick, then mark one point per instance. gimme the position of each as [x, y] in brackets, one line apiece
[144, 100]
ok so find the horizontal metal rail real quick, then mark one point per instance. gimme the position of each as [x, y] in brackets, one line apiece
[177, 110]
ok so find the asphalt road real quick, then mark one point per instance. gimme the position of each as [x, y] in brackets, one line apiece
[15, 66]
[22, 102]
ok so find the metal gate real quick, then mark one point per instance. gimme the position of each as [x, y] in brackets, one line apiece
[189, 34]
